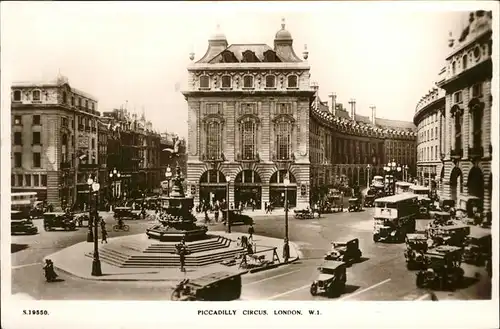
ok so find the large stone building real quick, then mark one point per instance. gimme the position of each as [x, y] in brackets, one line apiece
[54, 139]
[349, 147]
[467, 145]
[252, 120]
[430, 128]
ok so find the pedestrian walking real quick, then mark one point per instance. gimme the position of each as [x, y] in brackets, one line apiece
[104, 235]
[266, 207]
[216, 213]
[251, 231]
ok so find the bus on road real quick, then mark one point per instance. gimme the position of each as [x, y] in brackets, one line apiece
[23, 201]
[394, 217]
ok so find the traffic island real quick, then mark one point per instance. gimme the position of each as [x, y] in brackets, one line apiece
[76, 260]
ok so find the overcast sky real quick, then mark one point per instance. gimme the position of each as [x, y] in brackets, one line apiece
[386, 55]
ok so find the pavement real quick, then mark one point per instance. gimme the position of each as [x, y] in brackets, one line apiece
[381, 276]
[72, 260]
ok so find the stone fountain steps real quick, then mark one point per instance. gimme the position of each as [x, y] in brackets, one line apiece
[169, 248]
[206, 252]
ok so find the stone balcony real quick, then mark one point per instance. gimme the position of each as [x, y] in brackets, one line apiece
[457, 153]
[475, 152]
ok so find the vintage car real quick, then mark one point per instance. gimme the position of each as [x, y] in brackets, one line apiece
[53, 220]
[446, 204]
[442, 268]
[307, 213]
[331, 279]
[126, 213]
[470, 206]
[20, 224]
[416, 246]
[440, 218]
[219, 286]
[354, 204]
[477, 246]
[347, 252]
[451, 235]
[37, 209]
[237, 217]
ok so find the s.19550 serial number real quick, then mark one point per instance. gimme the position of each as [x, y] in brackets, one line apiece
[35, 312]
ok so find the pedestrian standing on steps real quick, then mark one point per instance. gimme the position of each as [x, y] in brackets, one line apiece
[104, 235]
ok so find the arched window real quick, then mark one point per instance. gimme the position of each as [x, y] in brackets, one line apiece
[458, 131]
[476, 110]
[213, 133]
[248, 81]
[36, 95]
[453, 67]
[283, 129]
[271, 81]
[292, 81]
[248, 138]
[464, 62]
[17, 95]
[226, 81]
[204, 81]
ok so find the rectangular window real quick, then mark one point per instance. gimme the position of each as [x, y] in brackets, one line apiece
[86, 104]
[93, 142]
[27, 180]
[20, 180]
[72, 101]
[270, 81]
[248, 108]
[37, 163]
[248, 81]
[18, 159]
[36, 138]
[36, 120]
[477, 90]
[292, 81]
[18, 138]
[36, 180]
[64, 122]
[212, 108]
[205, 81]
[36, 95]
[12, 180]
[44, 180]
[248, 130]
[283, 140]
[457, 97]
[17, 96]
[214, 139]
[18, 120]
[226, 81]
[284, 108]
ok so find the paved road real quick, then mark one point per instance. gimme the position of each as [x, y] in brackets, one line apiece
[381, 275]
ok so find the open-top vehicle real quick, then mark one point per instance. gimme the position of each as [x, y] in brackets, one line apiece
[452, 235]
[442, 268]
[478, 245]
[369, 198]
[354, 204]
[219, 286]
[21, 224]
[125, 213]
[307, 213]
[53, 220]
[416, 246]
[346, 251]
[331, 279]
[440, 218]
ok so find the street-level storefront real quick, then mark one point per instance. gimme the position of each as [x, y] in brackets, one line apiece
[213, 186]
[277, 189]
[248, 188]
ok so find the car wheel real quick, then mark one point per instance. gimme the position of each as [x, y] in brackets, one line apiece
[313, 289]
[376, 238]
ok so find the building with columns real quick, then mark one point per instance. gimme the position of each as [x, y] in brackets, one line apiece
[467, 149]
[54, 139]
[254, 118]
[430, 128]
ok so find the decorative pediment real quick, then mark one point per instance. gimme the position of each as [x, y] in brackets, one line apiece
[456, 110]
[228, 57]
[248, 117]
[283, 118]
[213, 117]
[475, 104]
[270, 56]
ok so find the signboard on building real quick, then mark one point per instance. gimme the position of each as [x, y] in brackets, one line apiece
[83, 141]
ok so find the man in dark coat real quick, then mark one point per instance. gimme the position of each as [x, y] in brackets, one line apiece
[286, 251]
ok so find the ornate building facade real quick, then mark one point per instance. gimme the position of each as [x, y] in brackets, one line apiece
[467, 115]
[254, 120]
[54, 139]
[430, 129]
[349, 147]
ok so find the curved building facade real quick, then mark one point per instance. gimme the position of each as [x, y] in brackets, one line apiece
[430, 126]
[467, 148]
[254, 118]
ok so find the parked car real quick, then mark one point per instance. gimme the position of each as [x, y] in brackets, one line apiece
[237, 217]
[442, 270]
[20, 224]
[416, 246]
[477, 249]
[354, 204]
[331, 279]
[53, 220]
[346, 252]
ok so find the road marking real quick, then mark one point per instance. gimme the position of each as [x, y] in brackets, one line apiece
[364, 290]
[24, 265]
[271, 277]
[289, 292]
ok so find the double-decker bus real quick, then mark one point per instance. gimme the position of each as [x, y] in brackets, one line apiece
[23, 202]
[422, 192]
[402, 187]
[394, 217]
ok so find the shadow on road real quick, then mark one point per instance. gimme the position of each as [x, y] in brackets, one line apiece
[349, 289]
[467, 282]
[361, 260]
[15, 247]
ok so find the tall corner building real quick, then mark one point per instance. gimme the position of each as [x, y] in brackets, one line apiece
[254, 119]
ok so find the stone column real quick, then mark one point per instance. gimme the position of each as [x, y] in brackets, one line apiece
[265, 195]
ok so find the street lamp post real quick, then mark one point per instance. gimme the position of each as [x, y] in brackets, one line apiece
[286, 182]
[392, 168]
[368, 173]
[96, 263]
[228, 179]
[168, 176]
[405, 173]
[90, 236]
[114, 175]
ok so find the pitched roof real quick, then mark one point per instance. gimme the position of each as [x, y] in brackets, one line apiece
[239, 49]
[395, 124]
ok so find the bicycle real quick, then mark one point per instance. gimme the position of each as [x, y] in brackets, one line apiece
[123, 227]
